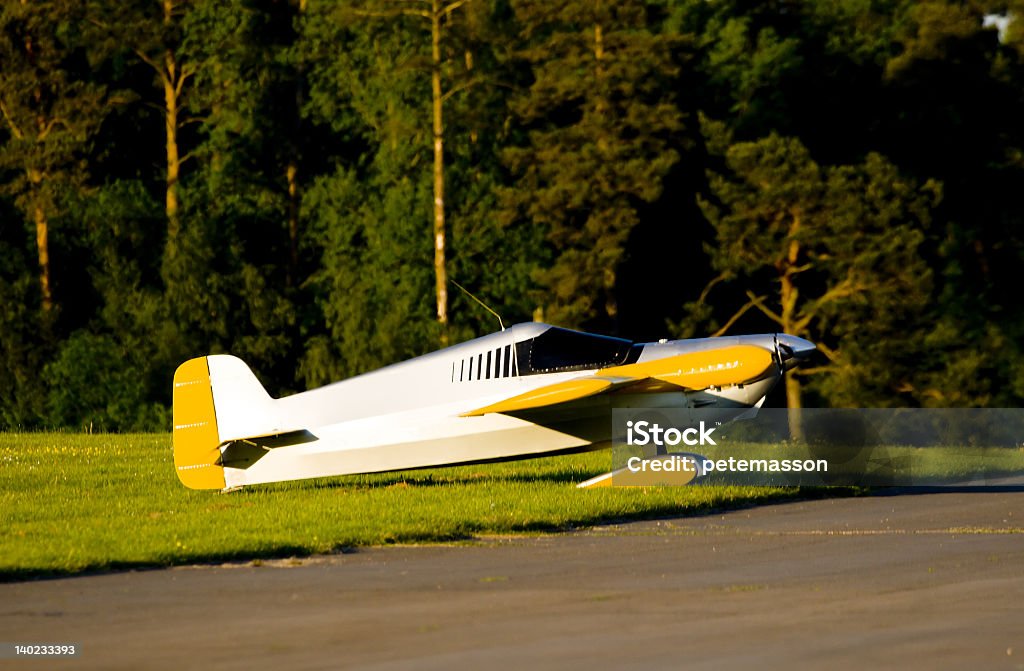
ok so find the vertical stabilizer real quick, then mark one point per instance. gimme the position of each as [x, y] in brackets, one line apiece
[244, 408]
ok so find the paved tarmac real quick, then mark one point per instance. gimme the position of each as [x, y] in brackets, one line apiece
[912, 581]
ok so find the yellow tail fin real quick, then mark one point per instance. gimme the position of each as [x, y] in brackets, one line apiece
[196, 441]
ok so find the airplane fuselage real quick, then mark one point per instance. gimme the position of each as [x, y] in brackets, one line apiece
[420, 412]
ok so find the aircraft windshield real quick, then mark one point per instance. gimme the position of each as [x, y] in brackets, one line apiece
[557, 350]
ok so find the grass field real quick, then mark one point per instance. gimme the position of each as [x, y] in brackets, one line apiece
[71, 503]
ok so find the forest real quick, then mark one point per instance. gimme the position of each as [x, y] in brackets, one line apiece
[310, 184]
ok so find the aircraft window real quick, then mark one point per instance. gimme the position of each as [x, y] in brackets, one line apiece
[488, 369]
[508, 360]
[479, 366]
[558, 350]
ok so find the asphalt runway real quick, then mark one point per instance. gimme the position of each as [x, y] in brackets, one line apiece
[922, 581]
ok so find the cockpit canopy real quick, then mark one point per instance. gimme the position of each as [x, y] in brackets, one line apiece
[559, 350]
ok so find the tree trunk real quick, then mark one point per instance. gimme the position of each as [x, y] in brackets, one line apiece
[795, 405]
[440, 272]
[169, 77]
[43, 247]
[172, 154]
[789, 295]
[292, 174]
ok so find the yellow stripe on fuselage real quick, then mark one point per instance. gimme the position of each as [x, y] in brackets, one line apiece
[723, 367]
[692, 371]
[560, 392]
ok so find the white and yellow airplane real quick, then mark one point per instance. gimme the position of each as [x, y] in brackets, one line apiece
[527, 391]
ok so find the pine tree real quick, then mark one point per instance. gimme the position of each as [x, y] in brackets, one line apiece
[600, 129]
[828, 253]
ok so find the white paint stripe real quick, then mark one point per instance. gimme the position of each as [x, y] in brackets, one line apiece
[189, 426]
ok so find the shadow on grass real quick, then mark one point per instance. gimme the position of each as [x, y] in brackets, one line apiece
[214, 559]
[412, 479]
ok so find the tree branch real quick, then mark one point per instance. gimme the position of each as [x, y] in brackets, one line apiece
[119, 100]
[186, 72]
[150, 62]
[453, 6]
[845, 288]
[10, 122]
[829, 353]
[393, 13]
[461, 87]
[400, 11]
[803, 322]
[711, 285]
[49, 127]
[813, 371]
[732, 320]
[758, 302]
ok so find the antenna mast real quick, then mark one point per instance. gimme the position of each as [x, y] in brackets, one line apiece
[500, 323]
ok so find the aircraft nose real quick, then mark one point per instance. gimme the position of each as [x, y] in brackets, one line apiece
[793, 350]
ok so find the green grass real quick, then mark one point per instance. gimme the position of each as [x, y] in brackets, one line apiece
[71, 503]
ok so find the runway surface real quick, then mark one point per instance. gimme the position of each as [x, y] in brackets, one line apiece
[923, 581]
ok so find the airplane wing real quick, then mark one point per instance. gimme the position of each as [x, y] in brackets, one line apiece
[692, 371]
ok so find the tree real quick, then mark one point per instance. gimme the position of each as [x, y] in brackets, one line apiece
[953, 83]
[749, 66]
[153, 33]
[22, 351]
[376, 262]
[366, 209]
[600, 136]
[828, 253]
[438, 16]
[244, 185]
[50, 113]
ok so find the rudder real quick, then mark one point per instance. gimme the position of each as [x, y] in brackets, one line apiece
[195, 436]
